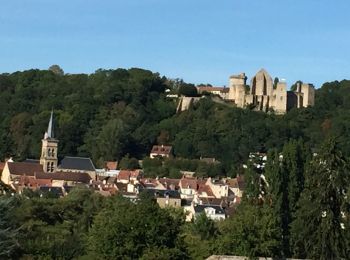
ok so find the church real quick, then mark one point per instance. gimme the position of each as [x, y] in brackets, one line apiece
[48, 171]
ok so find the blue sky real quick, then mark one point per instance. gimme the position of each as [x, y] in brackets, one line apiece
[199, 41]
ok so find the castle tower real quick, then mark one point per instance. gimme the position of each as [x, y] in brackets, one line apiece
[279, 101]
[237, 85]
[308, 91]
[48, 157]
[261, 90]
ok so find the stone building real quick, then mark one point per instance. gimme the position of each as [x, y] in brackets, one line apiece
[48, 158]
[262, 95]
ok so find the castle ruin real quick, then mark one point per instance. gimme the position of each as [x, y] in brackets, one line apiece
[264, 96]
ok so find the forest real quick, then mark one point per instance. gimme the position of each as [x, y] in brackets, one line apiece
[111, 114]
[298, 206]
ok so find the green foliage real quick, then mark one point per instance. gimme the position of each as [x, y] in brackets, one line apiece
[252, 232]
[171, 167]
[320, 229]
[127, 163]
[111, 113]
[55, 227]
[204, 227]
[188, 90]
[125, 230]
[56, 69]
[8, 234]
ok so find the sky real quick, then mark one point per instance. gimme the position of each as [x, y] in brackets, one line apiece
[202, 41]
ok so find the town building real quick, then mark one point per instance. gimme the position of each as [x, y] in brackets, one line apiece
[161, 151]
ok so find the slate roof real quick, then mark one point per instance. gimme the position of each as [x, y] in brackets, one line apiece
[162, 193]
[165, 193]
[77, 163]
[24, 168]
[200, 208]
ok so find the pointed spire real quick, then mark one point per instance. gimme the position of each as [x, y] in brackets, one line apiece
[50, 133]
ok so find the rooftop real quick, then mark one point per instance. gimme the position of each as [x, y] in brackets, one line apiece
[77, 163]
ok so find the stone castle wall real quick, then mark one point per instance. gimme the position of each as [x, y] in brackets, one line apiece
[262, 95]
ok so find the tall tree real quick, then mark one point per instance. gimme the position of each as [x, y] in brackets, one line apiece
[8, 235]
[320, 229]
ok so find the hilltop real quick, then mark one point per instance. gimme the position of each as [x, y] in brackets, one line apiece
[109, 114]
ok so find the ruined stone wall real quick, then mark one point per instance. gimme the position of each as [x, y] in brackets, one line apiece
[263, 97]
[279, 100]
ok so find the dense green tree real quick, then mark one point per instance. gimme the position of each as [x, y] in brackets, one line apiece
[55, 227]
[127, 163]
[56, 69]
[188, 90]
[252, 232]
[8, 234]
[125, 230]
[321, 229]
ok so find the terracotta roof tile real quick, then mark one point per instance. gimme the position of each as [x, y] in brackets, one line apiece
[65, 176]
[170, 183]
[189, 183]
[161, 149]
[205, 189]
[2, 165]
[24, 168]
[127, 174]
[111, 165]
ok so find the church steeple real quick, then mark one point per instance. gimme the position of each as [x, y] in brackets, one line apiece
[49, 133]
[48, 157]
[50, 127]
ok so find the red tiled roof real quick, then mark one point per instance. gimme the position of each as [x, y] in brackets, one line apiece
[32, 182]
[2, 165]
[127, 174]
[111, 165]
[148, 183]
[167, 183]
[24, 168]
[206, 189]
[189, 183]
[161, 149]
[237, 182]
[65, 176]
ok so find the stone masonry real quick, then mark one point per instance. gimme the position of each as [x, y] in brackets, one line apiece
[264, 96]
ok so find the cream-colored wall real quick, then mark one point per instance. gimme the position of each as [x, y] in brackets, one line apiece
[309, 95]
[169, 202]
[49, 157]
[279, 101]
[5, 176]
